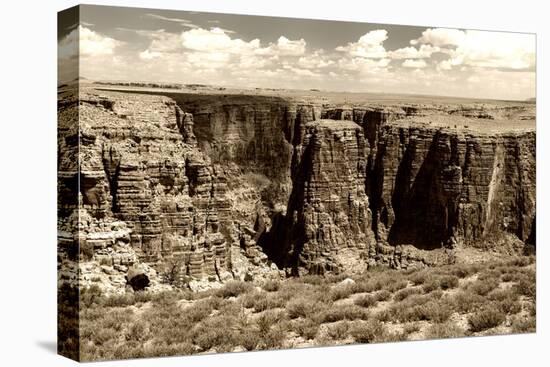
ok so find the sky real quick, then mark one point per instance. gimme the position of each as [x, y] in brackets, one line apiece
[148, 45]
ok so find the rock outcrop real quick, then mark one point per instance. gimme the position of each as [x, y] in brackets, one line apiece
[226, 185]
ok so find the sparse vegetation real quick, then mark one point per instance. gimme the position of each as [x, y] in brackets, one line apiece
[486, 318]
[377, 306]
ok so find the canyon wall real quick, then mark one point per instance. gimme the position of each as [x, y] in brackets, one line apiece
[217, 182]
[430, 176]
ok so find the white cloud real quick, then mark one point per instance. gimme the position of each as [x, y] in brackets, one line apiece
[95, 44]
[84, 42]
[216, 40]
[444, 65]
[363, 65]
[424, 51]
[410, 63]
[482, 48]
[149, 55]
[288, 47]
[441, 37]
[67, 47]
[315, 60]
[369, 45]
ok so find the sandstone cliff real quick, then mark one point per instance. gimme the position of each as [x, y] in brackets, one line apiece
[221, 183]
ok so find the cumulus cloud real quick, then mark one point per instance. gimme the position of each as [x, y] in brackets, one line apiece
[424, 51]
[369, 45]
[285, 46]
[363, 65]
[441, 37]
[216, 40]
[482, 48]
[149, 55]
[410, 63]
[315, 60]
[95, 44]
[67, 47]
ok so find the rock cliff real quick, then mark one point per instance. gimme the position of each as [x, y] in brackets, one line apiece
[220, 183]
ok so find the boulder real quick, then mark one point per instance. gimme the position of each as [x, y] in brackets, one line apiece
[137, 278]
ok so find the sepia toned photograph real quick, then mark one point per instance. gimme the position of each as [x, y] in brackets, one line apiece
[233, 183]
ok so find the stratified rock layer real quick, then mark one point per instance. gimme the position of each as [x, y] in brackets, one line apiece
[217, 182]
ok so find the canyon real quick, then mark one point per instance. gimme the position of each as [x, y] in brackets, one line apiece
[219, 184]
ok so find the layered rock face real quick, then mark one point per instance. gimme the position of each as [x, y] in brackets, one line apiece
[432, 175]
[138, 164]
[221, 183]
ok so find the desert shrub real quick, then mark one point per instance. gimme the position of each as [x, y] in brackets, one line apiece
[366, 300]
[521, 261]
[273, 339]
[115, 320]
[102, 336]
[486, 318]
[406, 292]
[531, 308]
[507, 277]
[463, 270]
[437, 312]
[417, 308]
[137, 331]
[483, 287]
[299, 308]
[234, 288]
[489, 275]
[267, 319]
[215, 332]
[119, 300]
[410, 328]
[368, 285]
[527, 285]
[466, 301]
[385, 315]
[338, 331]
[248, 339]
[509, 306]
[371, 331]
[271, 285]
[164, 350]
[162, 299]
[274, 300]
[397, 285]
[444, 330]
[448, 282]
[306, 328]
[382, 295]
[91, 295]
[419, 277]
[201, 309]
[524, 324]
[344, 312]
[430, 285]
[249, 300]
[342, 291]
[502, 294]
[313, 279]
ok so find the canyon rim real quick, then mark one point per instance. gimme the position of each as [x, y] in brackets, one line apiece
[231, 183]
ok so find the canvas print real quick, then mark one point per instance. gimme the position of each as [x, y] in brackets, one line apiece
[231, 183]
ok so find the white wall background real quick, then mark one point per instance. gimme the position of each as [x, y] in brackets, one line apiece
[28, 182]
